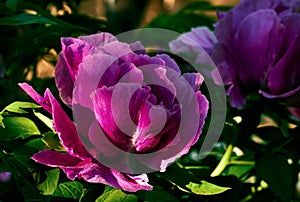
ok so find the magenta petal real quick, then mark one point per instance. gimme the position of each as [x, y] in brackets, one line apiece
[73, 51]
[66, 129]
[62, 123]
[56, 159]
[44, 102]
[63, 80]
[115, 121]
[97, 173]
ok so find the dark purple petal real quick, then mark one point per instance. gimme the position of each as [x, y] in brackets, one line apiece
[237, 96]
[257, 43]
[284, 76]
[225, 72]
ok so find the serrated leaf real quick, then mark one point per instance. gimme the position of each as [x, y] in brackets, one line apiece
[276, 171]
[206, 188]
[18, 107]
[116, 195]
[25, 19]
[17, 127]
[52, 141]
[49, 185]
[72, 189]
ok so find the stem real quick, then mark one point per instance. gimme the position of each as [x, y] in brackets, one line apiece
[232, 162]
[223, 163]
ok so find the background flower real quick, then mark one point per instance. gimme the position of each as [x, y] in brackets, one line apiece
[257, 49]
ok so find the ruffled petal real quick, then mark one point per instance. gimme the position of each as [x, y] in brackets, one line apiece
[62, 123]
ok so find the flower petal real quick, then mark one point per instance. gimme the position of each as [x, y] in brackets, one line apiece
[62, 123]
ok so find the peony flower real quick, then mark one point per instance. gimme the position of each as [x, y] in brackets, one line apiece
[255, 48]
[258, 49]
[133, 113]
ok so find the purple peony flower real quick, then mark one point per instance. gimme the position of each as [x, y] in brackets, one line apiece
[255, 48]
[133, 113]
[258, 49]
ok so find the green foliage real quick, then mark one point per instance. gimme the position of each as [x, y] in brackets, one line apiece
[115, 195]
[193, 15]
[206, 188]
[48, 186]
[276, 171]
[73, 190]
[17, 127]
[20, 107]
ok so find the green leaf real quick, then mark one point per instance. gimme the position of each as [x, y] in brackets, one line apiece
[1, 121]
[17, 127]
[240, 171]
[12, 4]
[18, 107]
[157, 194]
[276, 171]
[25, 19]
[71, 189]
[49, 185]
[24, 152]
[48, 122]
[178, 176]
[206, 188]
[116, 195]
[52, 141]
